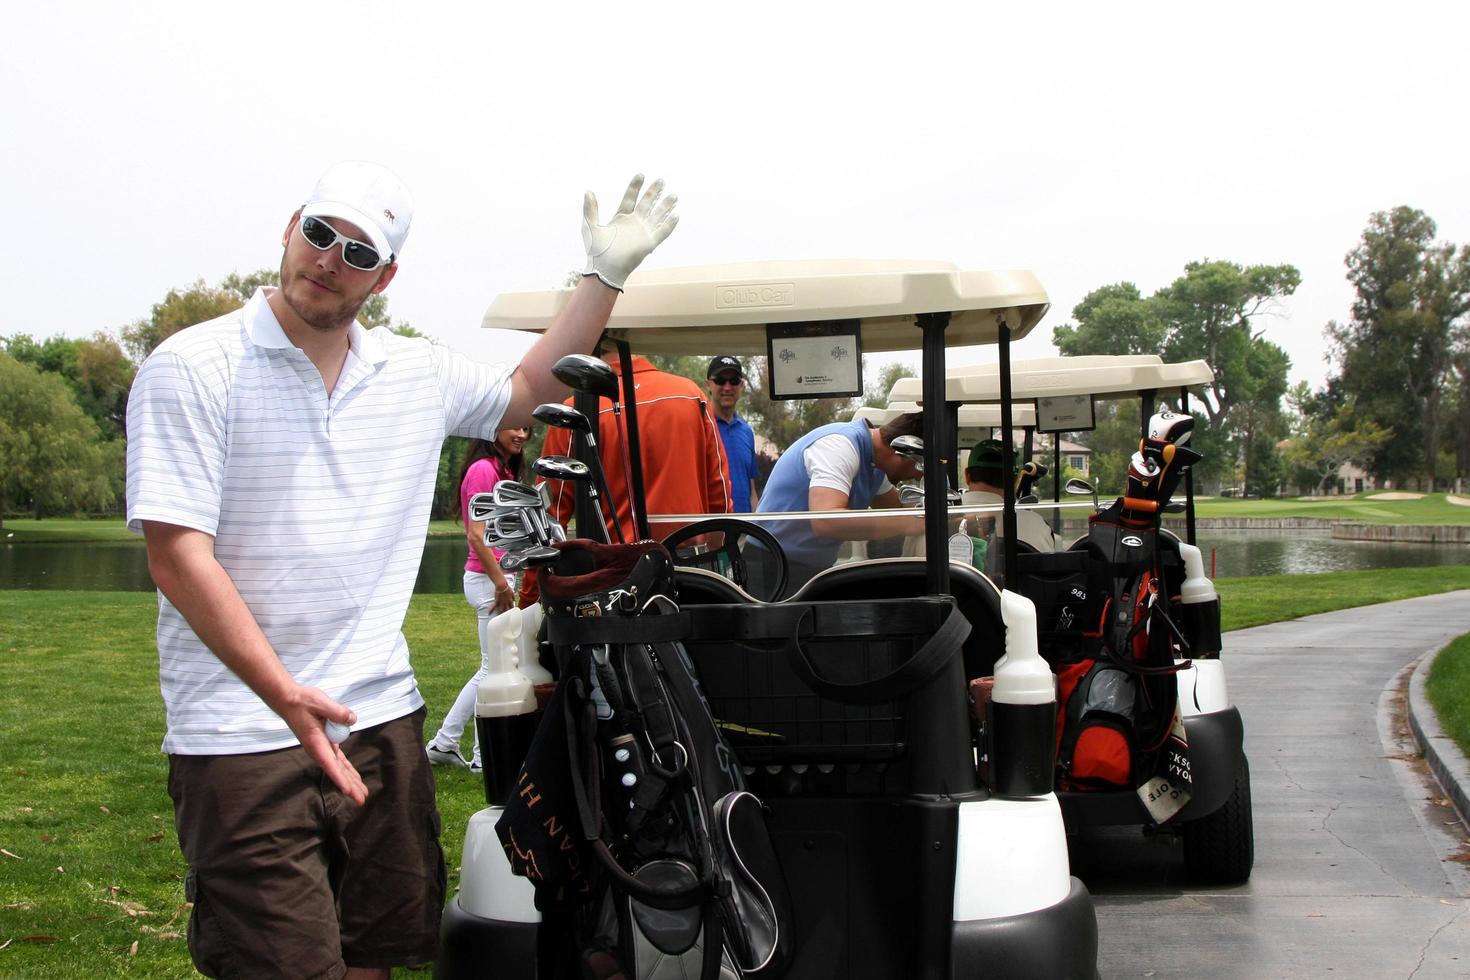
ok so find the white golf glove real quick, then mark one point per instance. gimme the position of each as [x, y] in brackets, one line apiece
[615, 249]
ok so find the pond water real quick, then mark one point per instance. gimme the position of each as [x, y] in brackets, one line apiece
[123, 566]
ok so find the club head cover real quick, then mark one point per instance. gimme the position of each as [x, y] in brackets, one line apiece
[1170, 427]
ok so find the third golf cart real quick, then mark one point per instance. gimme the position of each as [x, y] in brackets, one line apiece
[1193, 780]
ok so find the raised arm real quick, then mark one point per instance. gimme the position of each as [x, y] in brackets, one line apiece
[182, 563]
[613, 251]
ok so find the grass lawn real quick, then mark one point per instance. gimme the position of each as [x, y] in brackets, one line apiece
[1363, 509]
[91, 880]
[1271, 599]
[1448, 688]
[1432, 509]
[83, 802]
[79, 529]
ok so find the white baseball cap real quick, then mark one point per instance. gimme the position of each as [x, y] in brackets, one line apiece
[368, 195]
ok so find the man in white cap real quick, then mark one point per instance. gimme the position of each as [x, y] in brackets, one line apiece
[281, 464]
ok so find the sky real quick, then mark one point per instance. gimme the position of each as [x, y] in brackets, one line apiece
[144, 146]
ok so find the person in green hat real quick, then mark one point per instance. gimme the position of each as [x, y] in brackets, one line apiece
[984, 481]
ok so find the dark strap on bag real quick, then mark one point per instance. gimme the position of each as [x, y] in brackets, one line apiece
[911, 675]
[580, 630]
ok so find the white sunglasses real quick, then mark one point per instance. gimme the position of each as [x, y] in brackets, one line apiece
[359, 255]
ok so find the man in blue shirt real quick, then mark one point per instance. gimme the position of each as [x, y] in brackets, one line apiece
[726, 381]
[842, 466]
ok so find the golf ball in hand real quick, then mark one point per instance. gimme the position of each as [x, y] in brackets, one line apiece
[338, 732]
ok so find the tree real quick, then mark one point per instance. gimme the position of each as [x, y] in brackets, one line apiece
[1211, 313]
[875, 394]
[1112, 319]
[1329, 436]
[179, 309]
[1397, 352]
[197, 303]
[54, 457]
[96, 369]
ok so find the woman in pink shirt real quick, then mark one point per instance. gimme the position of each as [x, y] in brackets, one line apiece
[487, 587]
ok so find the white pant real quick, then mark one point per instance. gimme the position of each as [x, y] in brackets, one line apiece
[479, 592]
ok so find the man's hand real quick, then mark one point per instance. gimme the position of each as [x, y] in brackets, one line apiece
[615, 249]
[307, 711]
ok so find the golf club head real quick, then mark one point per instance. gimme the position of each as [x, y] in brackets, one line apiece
[910, 448]
[513, 493]
[560, 416]
[515, 543]
[561, 468]
[910, 495]
[482, 506]
[583, 372]
[512, 525]
[537, 556]
[1031, 471]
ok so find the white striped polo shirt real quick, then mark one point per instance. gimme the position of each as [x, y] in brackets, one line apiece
[318, 506]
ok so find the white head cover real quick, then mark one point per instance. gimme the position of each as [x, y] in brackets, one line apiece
[1170, 427]
[370, 196]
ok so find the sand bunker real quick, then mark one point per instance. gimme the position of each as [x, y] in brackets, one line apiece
[1397, 496]
[1461, 501]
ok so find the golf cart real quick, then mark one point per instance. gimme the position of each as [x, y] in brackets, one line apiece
[849, 719]
[1174, 655]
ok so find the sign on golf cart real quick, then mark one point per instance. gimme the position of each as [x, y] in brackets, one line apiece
[1064, 413]
[815, 360]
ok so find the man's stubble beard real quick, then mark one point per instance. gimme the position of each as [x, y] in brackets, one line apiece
[333, 319]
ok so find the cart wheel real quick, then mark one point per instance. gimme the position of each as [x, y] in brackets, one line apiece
[734, 530]
[1221, 848]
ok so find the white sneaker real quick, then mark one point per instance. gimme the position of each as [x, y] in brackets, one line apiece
[445, 757]
[475, 767]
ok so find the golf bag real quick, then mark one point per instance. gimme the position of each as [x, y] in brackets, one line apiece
[1118, 725]
[632, 819]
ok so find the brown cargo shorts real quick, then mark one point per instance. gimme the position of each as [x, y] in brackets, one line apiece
[289, 878]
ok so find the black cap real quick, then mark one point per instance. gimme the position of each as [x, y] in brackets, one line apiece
[724, 363]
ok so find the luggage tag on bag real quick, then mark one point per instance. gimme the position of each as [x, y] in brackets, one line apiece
[1171, 787]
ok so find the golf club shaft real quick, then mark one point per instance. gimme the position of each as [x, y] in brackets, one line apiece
[608, 507]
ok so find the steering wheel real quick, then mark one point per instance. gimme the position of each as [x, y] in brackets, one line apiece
[734, 529]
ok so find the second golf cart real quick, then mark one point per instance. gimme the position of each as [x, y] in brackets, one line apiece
[846, 704]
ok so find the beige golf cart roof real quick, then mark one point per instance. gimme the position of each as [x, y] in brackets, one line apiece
[725, 308]
[1102, 375]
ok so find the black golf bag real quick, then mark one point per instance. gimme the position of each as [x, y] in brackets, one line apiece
[631, 816]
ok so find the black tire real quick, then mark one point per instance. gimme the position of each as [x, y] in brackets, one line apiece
[1220, 848]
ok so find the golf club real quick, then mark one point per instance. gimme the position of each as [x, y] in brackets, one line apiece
[576, 471]
[910, 448]
[530, 557]
[593, 375]
[511, 495]
[482, 505]
[564, 417]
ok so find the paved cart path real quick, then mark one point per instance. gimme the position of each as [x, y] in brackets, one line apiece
[1354, 873]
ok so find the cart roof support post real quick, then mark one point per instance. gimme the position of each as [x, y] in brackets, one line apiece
[936, 483]
[1188, 477]
[1008, 448]
[630, 406]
